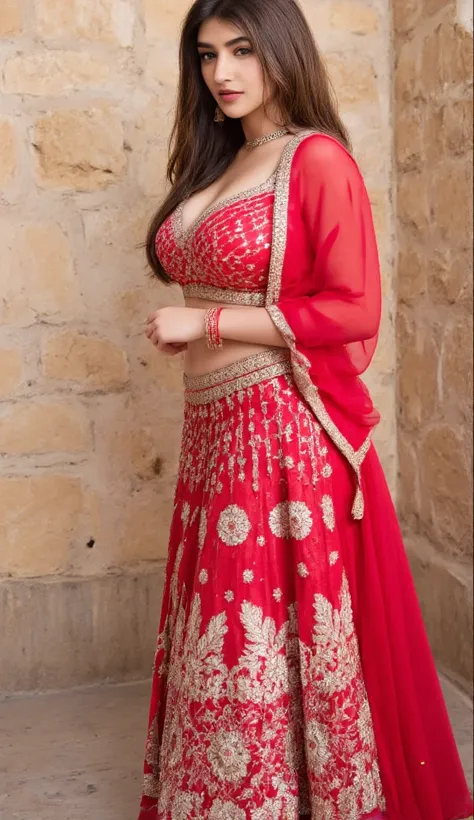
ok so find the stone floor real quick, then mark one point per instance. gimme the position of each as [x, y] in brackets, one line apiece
[78, 755]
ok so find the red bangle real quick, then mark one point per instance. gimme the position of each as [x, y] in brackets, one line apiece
[211, 322]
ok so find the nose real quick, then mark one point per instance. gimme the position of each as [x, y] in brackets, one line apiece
[222, 70]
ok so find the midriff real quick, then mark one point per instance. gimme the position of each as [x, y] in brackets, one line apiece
[199, 360]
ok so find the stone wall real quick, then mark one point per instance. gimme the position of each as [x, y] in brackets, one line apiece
[90, 415]
[433, 118]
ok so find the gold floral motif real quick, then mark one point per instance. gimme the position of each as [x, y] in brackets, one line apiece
[203, 576]
[333, 558]
[185, 513]
[303, 570]
[202, 529]
[228, 756]
[226, 811]
[291, 519]
[229, 596]
[247, 576]
[328, 512]
[203, 749]
[233, 525]
[277, 594]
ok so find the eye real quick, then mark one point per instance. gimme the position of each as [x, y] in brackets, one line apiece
[205, 56]
[243, 52]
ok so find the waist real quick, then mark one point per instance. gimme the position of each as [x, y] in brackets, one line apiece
[236, 376]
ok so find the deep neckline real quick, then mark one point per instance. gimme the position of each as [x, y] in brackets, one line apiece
[182, 236]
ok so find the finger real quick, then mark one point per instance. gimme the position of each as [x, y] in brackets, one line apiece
[169, 350]
[162, 347]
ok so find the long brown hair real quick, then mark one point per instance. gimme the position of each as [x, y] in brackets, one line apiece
[200, 151]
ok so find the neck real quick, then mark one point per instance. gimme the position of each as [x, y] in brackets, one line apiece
[259, 124]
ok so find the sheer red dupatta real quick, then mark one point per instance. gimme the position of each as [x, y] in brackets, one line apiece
[324, 296]
[324, 290]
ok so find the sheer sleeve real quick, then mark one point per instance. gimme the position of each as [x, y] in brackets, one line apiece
[344, 309]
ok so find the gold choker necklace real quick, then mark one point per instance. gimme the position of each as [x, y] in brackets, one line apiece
[275, 135]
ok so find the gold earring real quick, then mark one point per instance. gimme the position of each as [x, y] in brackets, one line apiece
[219, 116]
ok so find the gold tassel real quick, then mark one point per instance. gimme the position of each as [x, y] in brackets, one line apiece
[358, 506]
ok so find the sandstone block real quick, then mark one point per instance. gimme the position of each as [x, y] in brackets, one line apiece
[141, 446]
[451, 202]
[406, 14]
[445, 595]
[447, 57]
[145, 527]
[408, 484]
[450, 277]
[152, 171]
[8, 152]
[83, 150]
[412, 274]
[162, 70]
[43, 427]
[163, 19]
[433, 6]
[10, 371]
[354, 79]
[434, 135]
[418, 372]
[91, 361]
[409, 137]
[86, 630]
[413, 201]
[53, 72]
[407, 85]
[39, 516]
[456, 367]
[355, 17]
[380, 210]
[457, 125]
[11, 17]
[446, 491]
[42, 276]
[108, 21]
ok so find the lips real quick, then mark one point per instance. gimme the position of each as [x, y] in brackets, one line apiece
[229, 96]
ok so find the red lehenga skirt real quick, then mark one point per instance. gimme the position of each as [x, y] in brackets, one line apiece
[292, 675]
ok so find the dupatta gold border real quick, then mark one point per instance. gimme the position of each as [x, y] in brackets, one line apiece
[299, 363]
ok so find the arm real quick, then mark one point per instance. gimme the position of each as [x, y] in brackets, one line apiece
[171, 328]
[252, 325]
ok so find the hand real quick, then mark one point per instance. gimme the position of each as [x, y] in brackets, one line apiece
[171, 328]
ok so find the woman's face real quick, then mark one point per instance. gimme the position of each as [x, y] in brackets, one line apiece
[230, 68]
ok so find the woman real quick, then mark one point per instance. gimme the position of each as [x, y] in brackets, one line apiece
[293, 676]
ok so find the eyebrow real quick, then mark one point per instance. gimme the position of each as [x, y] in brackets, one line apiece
[227, 45]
